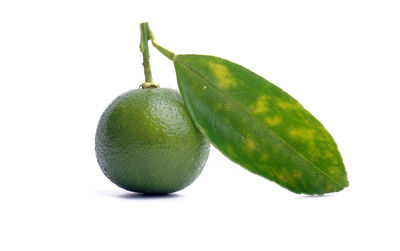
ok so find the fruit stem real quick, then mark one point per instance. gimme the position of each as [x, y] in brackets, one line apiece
[144, 48]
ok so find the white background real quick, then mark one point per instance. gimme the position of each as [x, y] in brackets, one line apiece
[63, 62]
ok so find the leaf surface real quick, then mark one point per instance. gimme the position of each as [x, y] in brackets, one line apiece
[259, 126]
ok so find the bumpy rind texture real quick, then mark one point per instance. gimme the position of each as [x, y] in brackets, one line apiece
[147, 143]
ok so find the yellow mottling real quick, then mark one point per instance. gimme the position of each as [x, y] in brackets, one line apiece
[305, 134]
[330, 187]
[334, 169]
[329, 155]
[281, 177]
[264, 157]
[273, 121]
[288, 105]
[250, 145]
[297, 174]
[261, 105]
[222, 74]
[231, 152]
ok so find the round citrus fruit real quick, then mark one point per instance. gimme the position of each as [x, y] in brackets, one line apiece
[147, 143]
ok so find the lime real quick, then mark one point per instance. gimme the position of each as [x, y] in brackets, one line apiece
[146, 142]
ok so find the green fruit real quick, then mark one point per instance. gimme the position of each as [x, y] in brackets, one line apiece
[147, 143]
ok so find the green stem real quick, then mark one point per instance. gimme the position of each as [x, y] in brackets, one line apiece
[150, 36]
[164, 51]
[144, 48]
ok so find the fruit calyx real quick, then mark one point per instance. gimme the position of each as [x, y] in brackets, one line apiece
[146, 85]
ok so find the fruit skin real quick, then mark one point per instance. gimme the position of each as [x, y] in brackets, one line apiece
[147, 143]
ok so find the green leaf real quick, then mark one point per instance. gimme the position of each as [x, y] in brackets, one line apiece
[259, 126]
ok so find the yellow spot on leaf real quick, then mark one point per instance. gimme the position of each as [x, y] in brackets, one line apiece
[329, 155]
[223, 76]
[305, 134]
[296, 174]
[330, 187]
[289, 105]
[264, 157]
[250, 145]
[261, 105]
[273, 121]
[281, 177]
[334, 170]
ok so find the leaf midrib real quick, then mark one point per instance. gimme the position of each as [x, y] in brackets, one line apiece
[256, 119]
